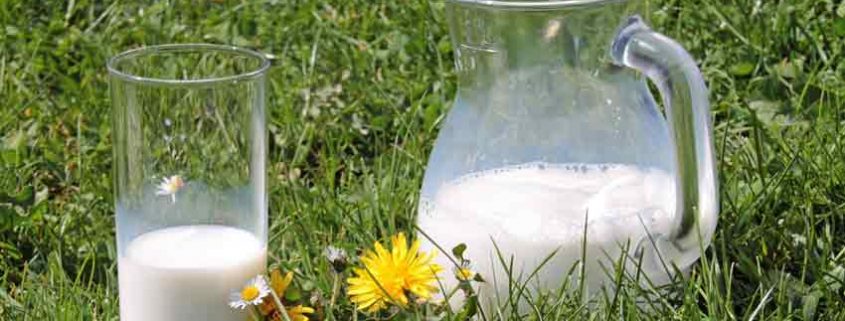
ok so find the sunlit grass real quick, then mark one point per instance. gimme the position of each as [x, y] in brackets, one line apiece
[358, 90]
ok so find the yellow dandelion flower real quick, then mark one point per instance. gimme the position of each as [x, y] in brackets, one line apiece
[279, 284]
[297, 313]
[388, 277]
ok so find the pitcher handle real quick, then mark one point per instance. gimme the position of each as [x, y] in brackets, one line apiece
[684, 95]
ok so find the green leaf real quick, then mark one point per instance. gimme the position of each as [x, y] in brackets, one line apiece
[9, 156]
[789, 69]
[293, 294]
[765, 110]
[742, 69]
[469, 309]
[458, 251]
[12, 31]
[811, 302]
[832, 278]
[839, 27]
[25, 196]
[8, 219]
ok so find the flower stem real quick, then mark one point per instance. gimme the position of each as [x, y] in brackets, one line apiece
[281, 307]
[254, 314]
[335, 289]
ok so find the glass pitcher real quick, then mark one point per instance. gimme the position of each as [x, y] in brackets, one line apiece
[555, 163]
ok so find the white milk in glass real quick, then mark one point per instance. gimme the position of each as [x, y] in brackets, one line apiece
[185, 273]
[534, 209]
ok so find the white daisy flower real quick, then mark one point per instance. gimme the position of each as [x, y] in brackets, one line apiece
[333, 253]
[251, 294]
[465, 273]
[170, 185]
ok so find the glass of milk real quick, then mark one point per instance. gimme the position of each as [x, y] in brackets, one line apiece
[556, 145]
[190, 148]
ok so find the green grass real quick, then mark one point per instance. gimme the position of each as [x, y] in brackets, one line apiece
[357, 91]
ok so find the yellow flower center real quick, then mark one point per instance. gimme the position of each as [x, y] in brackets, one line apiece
[465, 274]
[249, 293]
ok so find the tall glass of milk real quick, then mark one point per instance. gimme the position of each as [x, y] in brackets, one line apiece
[189, 175]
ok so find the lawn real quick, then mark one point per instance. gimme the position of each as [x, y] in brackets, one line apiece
[358, 90]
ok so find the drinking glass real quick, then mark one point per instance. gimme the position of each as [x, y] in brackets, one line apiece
[189, 176]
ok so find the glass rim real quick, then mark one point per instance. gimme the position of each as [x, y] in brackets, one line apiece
[531, 4]
[114, 71]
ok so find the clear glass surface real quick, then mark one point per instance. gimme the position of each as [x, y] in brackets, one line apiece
[189, 176]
